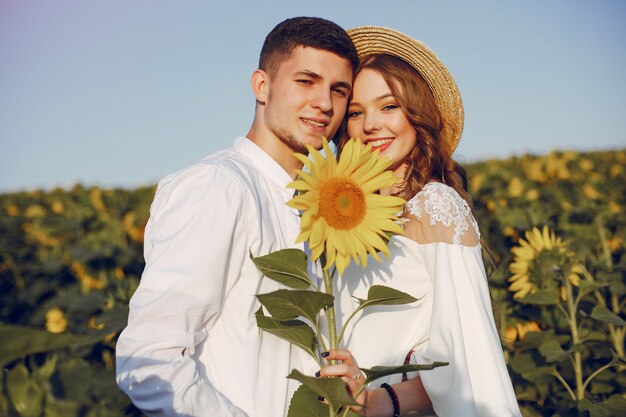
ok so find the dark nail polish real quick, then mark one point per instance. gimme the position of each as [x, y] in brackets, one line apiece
[324, 354]
[319, 397]
[317, 373]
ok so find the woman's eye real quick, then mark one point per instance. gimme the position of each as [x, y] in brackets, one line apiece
[390, 107]
[354, 113]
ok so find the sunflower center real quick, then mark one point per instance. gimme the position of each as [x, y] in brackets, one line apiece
[342, 203]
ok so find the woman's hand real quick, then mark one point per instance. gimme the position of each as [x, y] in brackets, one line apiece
[349, 372]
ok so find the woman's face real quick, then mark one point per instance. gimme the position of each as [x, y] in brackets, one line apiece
[375, 116]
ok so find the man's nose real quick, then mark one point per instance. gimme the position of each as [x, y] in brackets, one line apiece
[323, 101]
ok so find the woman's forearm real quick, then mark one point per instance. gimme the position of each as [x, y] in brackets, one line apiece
[411, 395]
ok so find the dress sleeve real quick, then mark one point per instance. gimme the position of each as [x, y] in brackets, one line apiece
[462, 332]
[188, 274]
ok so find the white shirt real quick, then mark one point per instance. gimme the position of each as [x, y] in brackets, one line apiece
[192, 346]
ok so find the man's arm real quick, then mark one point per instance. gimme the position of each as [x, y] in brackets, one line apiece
[195, 247]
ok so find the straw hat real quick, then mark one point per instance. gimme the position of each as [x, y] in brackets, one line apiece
[370, 40]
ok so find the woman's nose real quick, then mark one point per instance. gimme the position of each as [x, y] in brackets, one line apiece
[371, 123]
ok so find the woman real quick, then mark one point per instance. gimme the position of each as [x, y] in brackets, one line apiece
[407, 106]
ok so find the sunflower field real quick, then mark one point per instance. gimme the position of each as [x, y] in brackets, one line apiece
[554, 227]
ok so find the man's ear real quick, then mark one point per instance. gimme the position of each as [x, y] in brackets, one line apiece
[260, 85]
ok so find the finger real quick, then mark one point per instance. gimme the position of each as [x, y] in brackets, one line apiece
[341, 369]
[343, 355]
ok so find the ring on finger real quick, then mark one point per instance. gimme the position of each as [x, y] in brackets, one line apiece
[358, 374]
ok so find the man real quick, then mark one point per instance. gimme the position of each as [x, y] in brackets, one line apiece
[192, 347]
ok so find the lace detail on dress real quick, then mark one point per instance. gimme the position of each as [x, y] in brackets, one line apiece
[443, 205]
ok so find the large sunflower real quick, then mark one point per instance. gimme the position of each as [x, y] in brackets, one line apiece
[539, 245]
[342, 212]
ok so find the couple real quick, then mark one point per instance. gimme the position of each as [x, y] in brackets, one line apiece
[192, 346]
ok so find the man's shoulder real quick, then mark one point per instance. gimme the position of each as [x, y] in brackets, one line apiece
[225, 167]
[229, 159]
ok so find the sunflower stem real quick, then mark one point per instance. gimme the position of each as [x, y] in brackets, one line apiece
[345, 325]
[330, 310]
[606, 251]
[597, 371]
[578, 366]
[558, 376]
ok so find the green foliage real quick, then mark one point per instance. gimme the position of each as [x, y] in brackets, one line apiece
[80, 251]
[305, 403]
[19, 342]
[379, 295]
[377, 372]
[294, 331]
[290, 304]
[285, 306]
[564, 342]
[287, 266]
[69, 262]
[332, 389]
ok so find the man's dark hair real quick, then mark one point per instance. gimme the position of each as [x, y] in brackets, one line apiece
[313, 32]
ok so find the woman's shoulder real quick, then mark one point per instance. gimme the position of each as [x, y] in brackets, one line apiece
[436, 197]
[441, 211]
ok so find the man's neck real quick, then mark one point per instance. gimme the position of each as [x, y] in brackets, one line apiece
[277, 150]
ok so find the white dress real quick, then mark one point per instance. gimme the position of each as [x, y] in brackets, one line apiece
[452, 321]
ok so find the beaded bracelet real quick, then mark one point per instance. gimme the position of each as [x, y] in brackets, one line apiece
[394, 399]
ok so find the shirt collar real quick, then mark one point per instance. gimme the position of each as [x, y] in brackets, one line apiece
[264, 163]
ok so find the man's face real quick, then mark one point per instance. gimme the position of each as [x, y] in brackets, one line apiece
[307, 97]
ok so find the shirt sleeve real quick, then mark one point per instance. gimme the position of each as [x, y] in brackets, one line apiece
[476, 381]
[195, 247]
[462, 331]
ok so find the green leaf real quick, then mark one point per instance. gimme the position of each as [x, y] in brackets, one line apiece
[62, 408]
[605, 315]
[535, 373]
[552, 351]
[102, 411]
[304, 403]
[20, 341]
[534, 339]
[617, 288]
[599, 387]
[332, 389]
[287, 266]
[523, 362]
[114, 319]
[587, 287]
[542, 297]
[290, 304]
[527, 366]
[4, 402]
[294, 331]
[376, 372]
[592, 336]
[44, 372]
[74, 377]
[25, 394]
[613, 407]
[379, 295]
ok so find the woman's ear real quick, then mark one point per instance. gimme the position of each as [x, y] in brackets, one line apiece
[260, 85]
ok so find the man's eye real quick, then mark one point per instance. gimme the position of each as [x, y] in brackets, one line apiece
[341, 92]
[306, 82]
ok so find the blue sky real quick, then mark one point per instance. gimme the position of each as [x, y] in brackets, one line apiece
[120, 93]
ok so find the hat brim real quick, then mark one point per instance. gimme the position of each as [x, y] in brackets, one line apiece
[373, 40]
